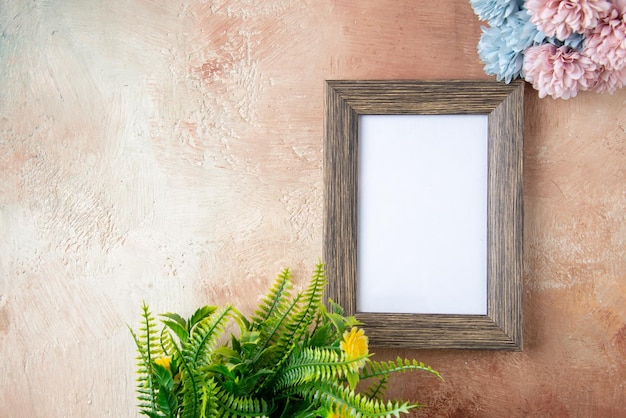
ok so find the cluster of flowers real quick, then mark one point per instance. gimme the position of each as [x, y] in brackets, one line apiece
[560, 46]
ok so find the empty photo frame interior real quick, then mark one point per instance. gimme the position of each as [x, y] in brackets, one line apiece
[424, 209]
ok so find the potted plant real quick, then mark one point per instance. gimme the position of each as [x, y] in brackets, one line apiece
[294, 357]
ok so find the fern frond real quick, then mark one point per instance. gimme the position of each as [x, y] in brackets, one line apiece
[314, 365]
[199, 315]
[336, 397]
[148, 349]
[209, 402]
[241, 406]
[191, 399]
[167, 342]
[312, 297]
[308, 309]
[377, 388]
[191, 385]
[382, 368]
[275, 330]
[296, 323]
[286, 362]
[195, 353]
[205, 335]
[275, 300]
[272, 320]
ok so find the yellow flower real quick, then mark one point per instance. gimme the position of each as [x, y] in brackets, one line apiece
[354, 345]
[165, 362]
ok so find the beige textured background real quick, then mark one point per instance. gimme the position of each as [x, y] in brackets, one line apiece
[171, 151]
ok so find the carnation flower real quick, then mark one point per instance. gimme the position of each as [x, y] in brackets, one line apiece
[165, 362]
[606, 43]
[559, 72]
[495, 11]
[607, 81]
[620, 4]
[354, 345]
[560, 46]
[574, 41]
[501, 47]
[561, 18]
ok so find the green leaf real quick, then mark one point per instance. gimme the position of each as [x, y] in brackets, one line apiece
[381, 368]
[321, 337]
[220, 369]
[227, 354]
[377, 389]
[250, 337]
[209, 403]
[176, 318]
[242, 406]
[200, 314]
[148, 349]
[152, 414]
[336, 316]
[314, 365]
[275, 300]
[177, 328]
[351, 321]
[338, 322]
[334, 396]
[285, 362]
[206, 334]
[162, 376]
[335, 307]
[353, 379]
[167, 402]
[235, 343]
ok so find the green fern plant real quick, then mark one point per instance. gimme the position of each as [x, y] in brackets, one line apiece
[293, 358]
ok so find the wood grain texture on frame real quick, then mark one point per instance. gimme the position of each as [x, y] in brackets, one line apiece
[501, 327]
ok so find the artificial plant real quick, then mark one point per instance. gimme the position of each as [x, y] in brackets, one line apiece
[561, 47]
[293, 358]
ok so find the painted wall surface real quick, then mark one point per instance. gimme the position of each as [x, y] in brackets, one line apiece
[171, 151]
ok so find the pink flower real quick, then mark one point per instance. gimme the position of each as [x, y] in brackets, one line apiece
[610, 80]
[558, 71]
[561, 18]
[606, 43]
[620, 4]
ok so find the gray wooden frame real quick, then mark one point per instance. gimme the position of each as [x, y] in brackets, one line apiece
[501, 327]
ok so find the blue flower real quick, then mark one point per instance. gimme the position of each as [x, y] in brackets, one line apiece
[495, 11]
[501, 47]
[574, 41]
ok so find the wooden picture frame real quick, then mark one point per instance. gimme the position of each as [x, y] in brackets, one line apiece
[501, 327]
